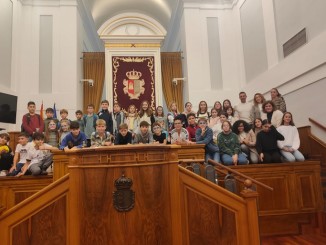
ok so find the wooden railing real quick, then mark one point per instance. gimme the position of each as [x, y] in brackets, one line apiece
[210, 211]
[317, 123]
[39, 218]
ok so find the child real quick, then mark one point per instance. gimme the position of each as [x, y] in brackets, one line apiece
[49, 112]
[64, 129]
[266, 143]
[75, 139]
[100, 137]
[144, 136]
[38, 157]
[230, 113]
[257, 126]
[32, 122]
[145, 114]
[203, 110]
[226, 105]
[214, 119]
[131, 117]
[247, 139]
[159, 117]
[289, 147]
[79, 119]
[5, 152]
[52, 134]
[204, 135]
[64, 116]
[229, 146]
[118, 117]
[89, 123]
[20, 154]
[106, 116]
[158, 136]
[173, 112]
[123, 137]
[217, 128]
[179, 135]
[192, 126]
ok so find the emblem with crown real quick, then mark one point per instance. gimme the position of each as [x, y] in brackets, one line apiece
[133, 86]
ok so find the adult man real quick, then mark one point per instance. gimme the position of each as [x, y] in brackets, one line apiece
[106, 116]
[242, 110]
[32, 122]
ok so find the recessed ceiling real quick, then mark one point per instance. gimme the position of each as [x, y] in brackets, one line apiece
[160, 10]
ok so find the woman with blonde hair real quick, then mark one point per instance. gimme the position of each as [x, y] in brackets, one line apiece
[257, 107]
[278, 100]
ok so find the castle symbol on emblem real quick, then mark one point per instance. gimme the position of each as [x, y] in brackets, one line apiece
[133, 86]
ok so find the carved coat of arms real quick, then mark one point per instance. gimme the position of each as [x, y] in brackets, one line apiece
[134, 86]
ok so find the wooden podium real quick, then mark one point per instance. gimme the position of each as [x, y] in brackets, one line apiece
[100, 183]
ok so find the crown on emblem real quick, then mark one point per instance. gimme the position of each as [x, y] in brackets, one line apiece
[133, 74]
[123, 183]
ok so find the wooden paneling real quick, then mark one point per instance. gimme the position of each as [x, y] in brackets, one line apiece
[13, 139]
[296, 199]
[155, 218]
[13, 190]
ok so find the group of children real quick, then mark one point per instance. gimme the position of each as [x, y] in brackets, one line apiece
[227, 138]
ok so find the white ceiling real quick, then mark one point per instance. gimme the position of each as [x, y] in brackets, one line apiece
[160, 10]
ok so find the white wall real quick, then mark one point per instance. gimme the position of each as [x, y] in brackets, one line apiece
[69, 34]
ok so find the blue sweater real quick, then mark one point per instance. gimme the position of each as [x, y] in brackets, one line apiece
[75, 141]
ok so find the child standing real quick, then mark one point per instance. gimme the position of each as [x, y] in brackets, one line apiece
[52, 134]
[131, 117]
[49, 112]
[192, 126]
[118, 117]
[79, 119]
[89, 123]
[64, 129]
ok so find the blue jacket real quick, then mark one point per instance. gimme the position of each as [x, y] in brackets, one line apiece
[81, 138]
[206, 139]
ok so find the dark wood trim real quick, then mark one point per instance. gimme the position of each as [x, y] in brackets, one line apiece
[317, 123]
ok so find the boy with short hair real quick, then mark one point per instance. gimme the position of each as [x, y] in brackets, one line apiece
[117, 117]
[64, 117]
[158, 136]
[39, 158]
[49, 112]
[100, 137]
[192, 126]
[106, 116]
[75, 139]
[20, 154]
[32, 122]
[5, 152]
[79, 119]
[123, 137]
[145, 136]
[89, 123]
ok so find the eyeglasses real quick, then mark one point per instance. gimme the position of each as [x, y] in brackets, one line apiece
[157, 127]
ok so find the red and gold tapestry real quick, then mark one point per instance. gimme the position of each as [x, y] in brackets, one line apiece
[133, 80]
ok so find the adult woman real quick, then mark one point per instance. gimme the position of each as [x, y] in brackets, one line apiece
[278, 100]
[289, 147]
[257, 107]
[266, 143]
[247, 139]
[257, 127]
[271, 114]
[229, 146]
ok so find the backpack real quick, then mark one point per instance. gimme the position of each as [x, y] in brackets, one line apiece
[28, 116]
